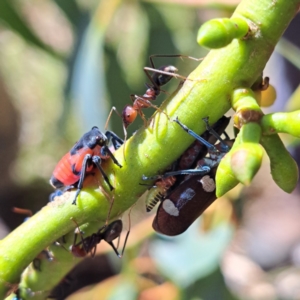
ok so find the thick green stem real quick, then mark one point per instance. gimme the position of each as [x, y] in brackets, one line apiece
[152, 149]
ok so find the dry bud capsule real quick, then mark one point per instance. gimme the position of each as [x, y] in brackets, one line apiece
[261, 84]
[218, 33]
[284, 169]
[281, 123]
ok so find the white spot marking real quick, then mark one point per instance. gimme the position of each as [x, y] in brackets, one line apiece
[208, 183]
[170, 208]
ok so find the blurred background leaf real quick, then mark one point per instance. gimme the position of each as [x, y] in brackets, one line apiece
[199, 252]
[63, 65]
[10, 16]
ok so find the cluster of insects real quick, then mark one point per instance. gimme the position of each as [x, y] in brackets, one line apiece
[184, 191]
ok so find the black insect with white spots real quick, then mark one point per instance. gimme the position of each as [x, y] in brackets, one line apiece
[195, 191]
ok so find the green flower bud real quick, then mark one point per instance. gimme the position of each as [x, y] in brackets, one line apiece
[246, 158]
[225, 178]
[281, 122]
[218, 33]
[284, 169]
[240, 164]
[246, 161]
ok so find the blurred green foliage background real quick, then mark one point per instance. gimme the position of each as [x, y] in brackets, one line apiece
[63, 65]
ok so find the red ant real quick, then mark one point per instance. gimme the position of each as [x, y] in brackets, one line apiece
[160, 77]
[107, 233]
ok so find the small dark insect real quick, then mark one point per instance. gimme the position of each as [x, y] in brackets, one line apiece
[86, 155]
[107, 233]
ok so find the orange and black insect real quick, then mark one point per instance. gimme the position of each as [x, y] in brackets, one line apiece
[84, 156]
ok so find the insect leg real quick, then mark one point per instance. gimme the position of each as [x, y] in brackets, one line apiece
[201, 171]
[86, 159]
[97, 162]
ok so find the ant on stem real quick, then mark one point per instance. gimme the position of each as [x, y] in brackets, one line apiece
[158, 78]
[108, 233]
[89, 244]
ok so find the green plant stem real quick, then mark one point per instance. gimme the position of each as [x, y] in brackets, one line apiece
[152, 149]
